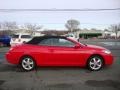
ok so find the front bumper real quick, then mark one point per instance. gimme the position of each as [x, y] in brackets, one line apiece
[108, 59]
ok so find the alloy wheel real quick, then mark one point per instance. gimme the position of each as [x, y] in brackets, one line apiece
[27, 63]
[95, 63]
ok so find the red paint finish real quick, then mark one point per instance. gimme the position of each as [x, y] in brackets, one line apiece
[58, 55]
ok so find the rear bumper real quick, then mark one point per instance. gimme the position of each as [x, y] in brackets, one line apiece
[12, 58]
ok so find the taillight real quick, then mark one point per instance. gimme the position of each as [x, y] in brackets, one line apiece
[11, 48]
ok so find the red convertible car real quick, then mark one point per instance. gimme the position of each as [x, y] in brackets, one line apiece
[58, 51]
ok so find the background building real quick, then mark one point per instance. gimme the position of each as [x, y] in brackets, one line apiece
[89, 34]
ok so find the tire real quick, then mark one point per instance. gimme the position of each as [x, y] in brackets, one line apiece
[95, 63]
[27, 63]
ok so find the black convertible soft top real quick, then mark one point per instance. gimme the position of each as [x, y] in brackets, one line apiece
[36, 40]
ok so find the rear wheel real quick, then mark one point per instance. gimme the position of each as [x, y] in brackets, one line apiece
[95, 63]
[27, 63]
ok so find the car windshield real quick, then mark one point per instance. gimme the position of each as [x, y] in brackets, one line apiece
[15, 36]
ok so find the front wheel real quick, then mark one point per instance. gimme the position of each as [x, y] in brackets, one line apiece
[27, 63]
[95, 63]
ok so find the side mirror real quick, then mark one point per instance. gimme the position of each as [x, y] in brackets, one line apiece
[77, 46]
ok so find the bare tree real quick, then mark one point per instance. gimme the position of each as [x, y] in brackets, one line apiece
[115, 28]
[72, 25]
[32, 27]
[9, 25]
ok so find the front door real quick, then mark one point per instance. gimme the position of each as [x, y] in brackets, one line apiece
[64, 53]
[60, 52]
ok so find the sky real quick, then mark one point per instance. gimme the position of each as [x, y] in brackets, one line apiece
[57, 20]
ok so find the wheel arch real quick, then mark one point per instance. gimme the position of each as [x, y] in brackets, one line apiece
[27, 55]
[96, 55]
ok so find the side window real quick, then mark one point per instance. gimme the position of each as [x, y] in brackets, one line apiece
[57, 42]
[65, 42]
[25, 36]
[45, 42]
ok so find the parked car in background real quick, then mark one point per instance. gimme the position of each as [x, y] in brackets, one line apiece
[5, 40]
[58, 51]
[20, 38]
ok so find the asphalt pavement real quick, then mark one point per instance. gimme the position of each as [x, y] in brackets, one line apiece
[61, 78]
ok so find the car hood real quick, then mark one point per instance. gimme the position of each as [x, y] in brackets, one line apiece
[95, 47]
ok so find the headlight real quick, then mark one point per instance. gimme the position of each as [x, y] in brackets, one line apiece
[107, 51]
